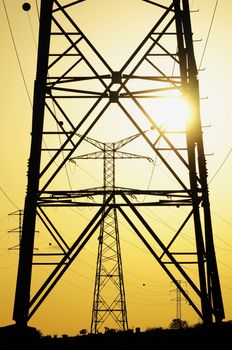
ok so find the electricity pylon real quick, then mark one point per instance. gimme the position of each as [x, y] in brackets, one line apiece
[75, 90]
[178, 299]
[109, 300]
[18, 230]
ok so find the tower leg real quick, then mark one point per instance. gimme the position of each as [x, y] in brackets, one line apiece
[22, 295]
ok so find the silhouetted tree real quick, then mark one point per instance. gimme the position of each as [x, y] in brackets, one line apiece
[83, 331]
[178, 324]
[109, 330]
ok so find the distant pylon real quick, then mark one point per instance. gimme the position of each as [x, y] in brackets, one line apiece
[178, 299]
[18, 230]
[178, 303]
[109, 299]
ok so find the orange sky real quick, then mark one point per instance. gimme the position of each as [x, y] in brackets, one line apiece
[151, 301]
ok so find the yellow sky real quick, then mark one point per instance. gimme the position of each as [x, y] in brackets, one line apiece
[150, 295]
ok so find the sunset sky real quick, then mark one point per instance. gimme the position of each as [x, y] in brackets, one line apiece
[115, 28]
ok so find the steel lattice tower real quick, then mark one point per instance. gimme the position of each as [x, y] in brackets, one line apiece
[109, 292]
[75, 87]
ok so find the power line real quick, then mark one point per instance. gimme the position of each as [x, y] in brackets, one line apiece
[209, 31]
[37, 7]
[223, 219]
[9, 198]
[204, 50]
[16, 51]
[227, 156]
[31, 27]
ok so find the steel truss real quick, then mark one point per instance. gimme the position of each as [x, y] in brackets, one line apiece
[109, 269]
[70, 68]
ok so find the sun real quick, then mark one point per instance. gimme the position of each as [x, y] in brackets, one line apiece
[172, 114]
